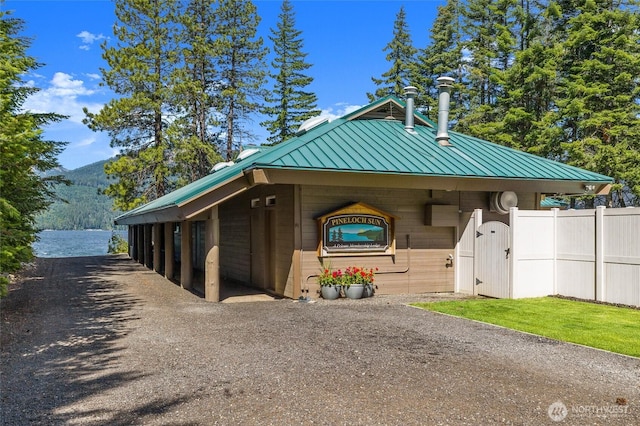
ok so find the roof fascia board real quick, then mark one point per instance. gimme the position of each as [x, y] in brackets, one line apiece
[218, 195]
[169, 214]
[232, 178]
[447, 183]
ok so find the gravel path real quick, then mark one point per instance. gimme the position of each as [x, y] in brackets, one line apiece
[101, 340]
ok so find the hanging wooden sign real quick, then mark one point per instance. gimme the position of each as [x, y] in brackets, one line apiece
[356, 229]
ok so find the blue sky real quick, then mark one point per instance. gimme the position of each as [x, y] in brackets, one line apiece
[343, 39]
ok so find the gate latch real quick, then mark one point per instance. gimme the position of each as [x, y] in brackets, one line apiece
[507, 251]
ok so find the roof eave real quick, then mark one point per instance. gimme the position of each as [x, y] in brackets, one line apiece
[191, 207]
[165, 214]
[280, 175]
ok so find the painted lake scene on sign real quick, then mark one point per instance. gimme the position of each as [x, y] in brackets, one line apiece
[356, 232]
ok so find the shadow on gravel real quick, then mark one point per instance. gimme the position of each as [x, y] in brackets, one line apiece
[62, 332]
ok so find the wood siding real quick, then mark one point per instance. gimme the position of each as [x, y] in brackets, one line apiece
[419, 264]
[256, 244]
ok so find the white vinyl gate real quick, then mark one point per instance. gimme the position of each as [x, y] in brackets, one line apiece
[492, 248]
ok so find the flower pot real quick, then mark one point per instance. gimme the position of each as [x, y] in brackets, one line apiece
[330, 292]
[354, 291]
[368, 290]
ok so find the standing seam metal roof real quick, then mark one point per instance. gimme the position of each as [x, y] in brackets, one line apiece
[354, 144]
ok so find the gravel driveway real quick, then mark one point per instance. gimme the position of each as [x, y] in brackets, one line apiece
[101, 340]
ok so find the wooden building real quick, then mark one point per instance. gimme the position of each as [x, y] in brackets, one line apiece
[381, 187]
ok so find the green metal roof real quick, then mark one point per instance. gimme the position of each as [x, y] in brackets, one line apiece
[358, 143]
[188, 192]
[553, 203]
[384, 146]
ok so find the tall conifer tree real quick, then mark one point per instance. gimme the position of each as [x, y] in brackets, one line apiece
[242, 73]
[291, 105]
[521, 114]
[195, 132]
[140, 66]
[24, 155]
[490, 44]
[442, 57]
[599, 93]
[401, 55]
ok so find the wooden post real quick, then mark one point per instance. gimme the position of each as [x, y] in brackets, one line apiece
[130, 241]
[157, 247]
[298, 287]
[140, 243]
[168, 251]
[212, 265]
[148, 259]
[133, 245]
[186, 260]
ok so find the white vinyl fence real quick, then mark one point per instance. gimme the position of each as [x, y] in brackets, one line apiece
[588, 254]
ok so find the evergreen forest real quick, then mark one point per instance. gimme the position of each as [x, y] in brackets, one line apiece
[555, 78]
[82, 204]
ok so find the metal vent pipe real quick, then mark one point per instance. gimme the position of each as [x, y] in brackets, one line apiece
[410, 93]
[444, 88]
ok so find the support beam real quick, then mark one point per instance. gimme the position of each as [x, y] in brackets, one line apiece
[169, 263]
[186, 259]
[299, 289]
[157, 247]
[212, 265]
[131, 238]
[140, 243]
[148, 258]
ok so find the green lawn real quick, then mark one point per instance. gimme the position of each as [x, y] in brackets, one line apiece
[612, 328]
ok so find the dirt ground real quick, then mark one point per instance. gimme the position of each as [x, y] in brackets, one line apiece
[102, 340]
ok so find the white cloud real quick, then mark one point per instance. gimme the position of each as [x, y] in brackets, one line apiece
[86, 142]
[64, 85]
[62, 96]
[94, 76]
[88, 39]
[338, 110]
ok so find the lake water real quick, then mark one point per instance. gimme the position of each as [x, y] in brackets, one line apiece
[73, 243]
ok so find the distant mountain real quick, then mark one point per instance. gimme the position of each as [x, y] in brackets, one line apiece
[86, 207]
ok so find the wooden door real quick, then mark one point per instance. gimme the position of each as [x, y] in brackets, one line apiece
[270, 249]
[263, 248]
[256, 251]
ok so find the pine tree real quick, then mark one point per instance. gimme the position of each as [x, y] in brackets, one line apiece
[490, 43]
[140, 68]
[599, 93]
[442, 57]
[24, 154]
[242, 73]
[291, 104]
[196, 84]
[523, 117]
[401, 54]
